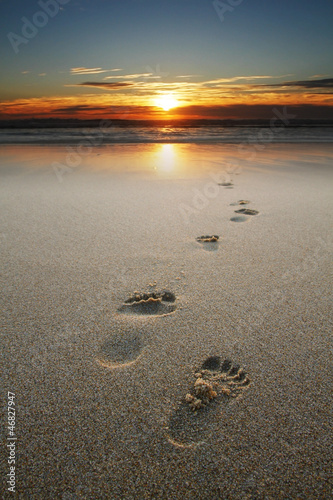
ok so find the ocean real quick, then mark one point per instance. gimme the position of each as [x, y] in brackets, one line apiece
[167, 134]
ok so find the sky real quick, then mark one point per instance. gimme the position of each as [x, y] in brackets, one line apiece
[157, 59]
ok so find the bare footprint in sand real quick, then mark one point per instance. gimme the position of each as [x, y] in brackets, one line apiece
[151, 304]
[120, 351]
[208, 239]
[240, 202]
[225, 183]
[228, 185]
[239, 218]
[216, 384]
[209, 243]
[246, 211]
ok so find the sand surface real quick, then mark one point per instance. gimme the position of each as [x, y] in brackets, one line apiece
[100, 383]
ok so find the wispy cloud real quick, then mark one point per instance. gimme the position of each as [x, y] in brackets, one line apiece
[105, 85]
[324, 83]
[187, 76]
[245, 78]
[91, 71]
[79, 108]
[257, 88]
[221, 91]
[318, 76]
[139, 91]
[134, 76]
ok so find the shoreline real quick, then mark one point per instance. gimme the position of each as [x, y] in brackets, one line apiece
[256, 136]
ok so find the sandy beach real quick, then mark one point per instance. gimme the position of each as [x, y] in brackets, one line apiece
[100, 371]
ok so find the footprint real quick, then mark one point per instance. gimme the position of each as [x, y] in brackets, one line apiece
[239, 218]
[246, 211]
[216, 384]
[152, 303]
[208, 239]
[120, 351]
[240, 202]
[210, 243]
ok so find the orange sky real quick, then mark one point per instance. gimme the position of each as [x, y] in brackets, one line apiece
[138, 98]
[108, 59]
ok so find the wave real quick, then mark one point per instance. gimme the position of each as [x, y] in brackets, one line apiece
[132, 135]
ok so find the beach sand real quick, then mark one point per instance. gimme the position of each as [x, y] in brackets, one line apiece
[100, 383]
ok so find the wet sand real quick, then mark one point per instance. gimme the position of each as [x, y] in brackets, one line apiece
[101, 358]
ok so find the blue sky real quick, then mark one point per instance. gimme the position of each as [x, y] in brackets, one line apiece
[172, 41]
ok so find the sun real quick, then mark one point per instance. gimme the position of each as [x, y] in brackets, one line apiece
[166, 102]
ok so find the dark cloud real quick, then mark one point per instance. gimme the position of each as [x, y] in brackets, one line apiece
[255, 112]
[78, 109]
[325, 83]
[106, 85]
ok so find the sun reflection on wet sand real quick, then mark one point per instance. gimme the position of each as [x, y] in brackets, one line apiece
[163, 161]
[166, 161]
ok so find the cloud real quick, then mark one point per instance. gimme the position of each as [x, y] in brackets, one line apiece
[187, 76]
[107, 105]
[254, 87]
[324, 83]
[196, 97]
[78, 108]
[254, 112]
[134, 76]
[318, 76]
[237, 78]
[104, 85]
[91, 71]
[86, 71]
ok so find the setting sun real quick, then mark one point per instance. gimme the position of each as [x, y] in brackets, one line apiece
[166, 102]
